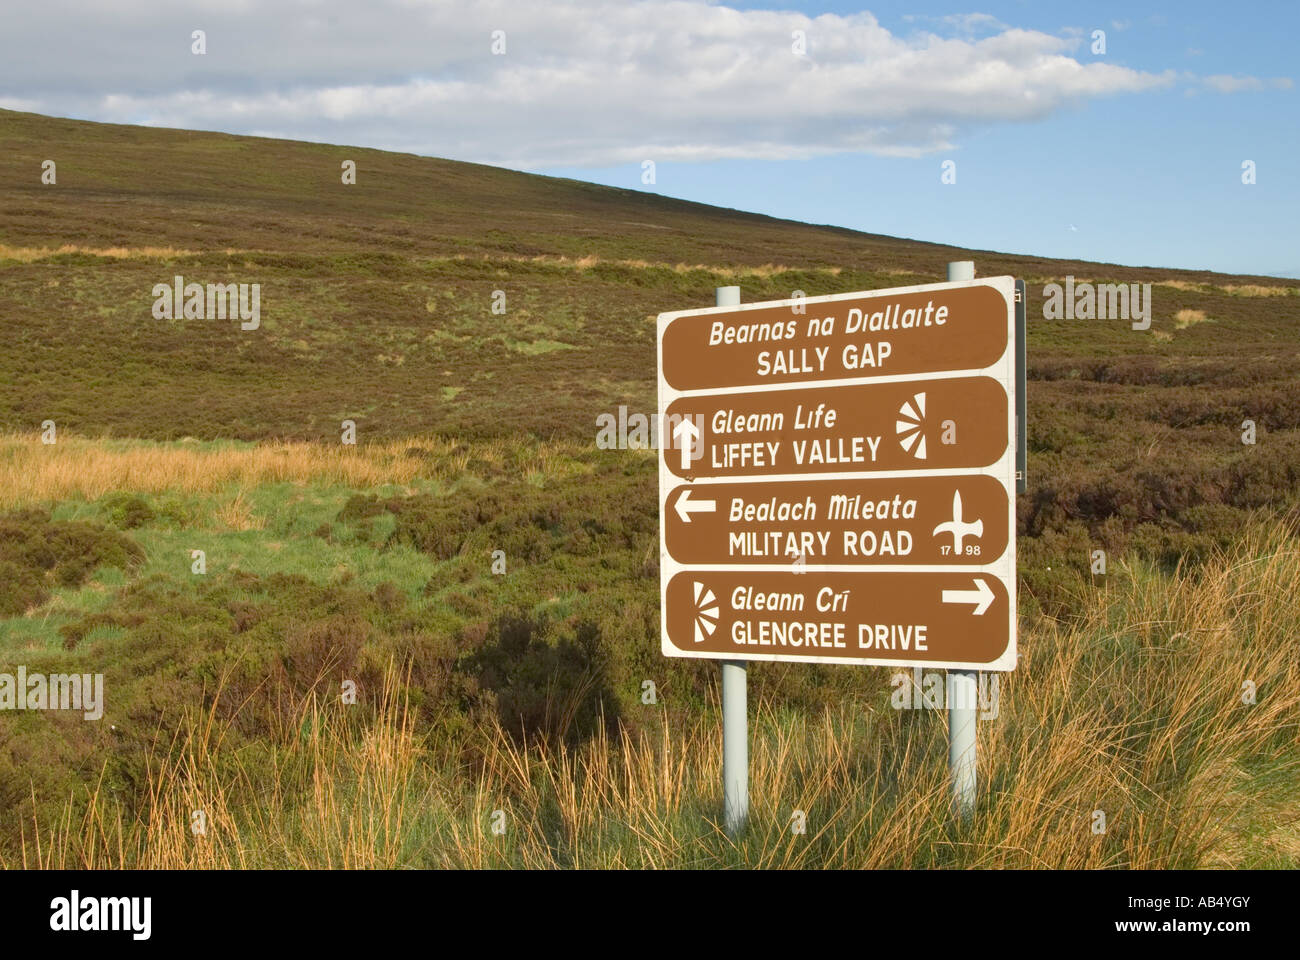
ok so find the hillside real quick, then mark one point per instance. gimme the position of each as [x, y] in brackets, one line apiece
[376, 298]
[476, 433]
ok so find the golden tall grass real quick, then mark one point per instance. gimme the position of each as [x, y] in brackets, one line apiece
[32, 254]
[77, 467]
[1233, 289]
[203, 811]
[1186, 318]
[591, 260]
[1137, 712]
[1258, 290]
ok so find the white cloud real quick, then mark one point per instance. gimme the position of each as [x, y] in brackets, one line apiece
[583, 82]
[966, 24]
[1222, 83]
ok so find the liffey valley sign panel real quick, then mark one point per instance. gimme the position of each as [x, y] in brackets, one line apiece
[836, 478]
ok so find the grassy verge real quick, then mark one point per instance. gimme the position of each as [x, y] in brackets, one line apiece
[1136, 710]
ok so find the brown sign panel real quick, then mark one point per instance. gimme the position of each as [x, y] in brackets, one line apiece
[917, 520]
[835, 478]
[917, 425]
[868, 335]
[864, 616]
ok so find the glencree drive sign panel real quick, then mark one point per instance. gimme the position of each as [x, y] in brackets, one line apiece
[836, 478]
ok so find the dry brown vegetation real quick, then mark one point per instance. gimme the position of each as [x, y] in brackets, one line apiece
[1185, 318]
[33, 254]
[87, 469]
[1137, 711]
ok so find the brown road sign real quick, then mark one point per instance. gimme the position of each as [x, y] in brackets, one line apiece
[874, 334]
[836, 475]
[896, 521]
[955, 618]
[915, 425]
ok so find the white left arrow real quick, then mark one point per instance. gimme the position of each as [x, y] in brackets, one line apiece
[685, 428]
[686, 506]
[981, 596]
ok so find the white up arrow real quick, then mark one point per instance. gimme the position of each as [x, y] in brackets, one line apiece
[981, 596]
[686, 506]
[688, 429]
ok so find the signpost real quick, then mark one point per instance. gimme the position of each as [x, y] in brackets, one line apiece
[836, 482]
[1022, 394]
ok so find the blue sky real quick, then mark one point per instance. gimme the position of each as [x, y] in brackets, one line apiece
[1151, 178]
[1131, 157]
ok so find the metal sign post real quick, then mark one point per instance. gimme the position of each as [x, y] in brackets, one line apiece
[735, 701]
[1022, 395]
[962, 684]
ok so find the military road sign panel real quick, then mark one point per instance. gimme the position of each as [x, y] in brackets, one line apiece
[836, 478]
[959, 520]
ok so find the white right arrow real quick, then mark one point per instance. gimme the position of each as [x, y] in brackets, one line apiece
[685, 506]
[981, 596]
[686, 427]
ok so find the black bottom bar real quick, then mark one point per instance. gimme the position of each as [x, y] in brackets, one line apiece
[333, 910]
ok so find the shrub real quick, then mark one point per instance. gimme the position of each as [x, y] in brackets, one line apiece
[37, 553]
